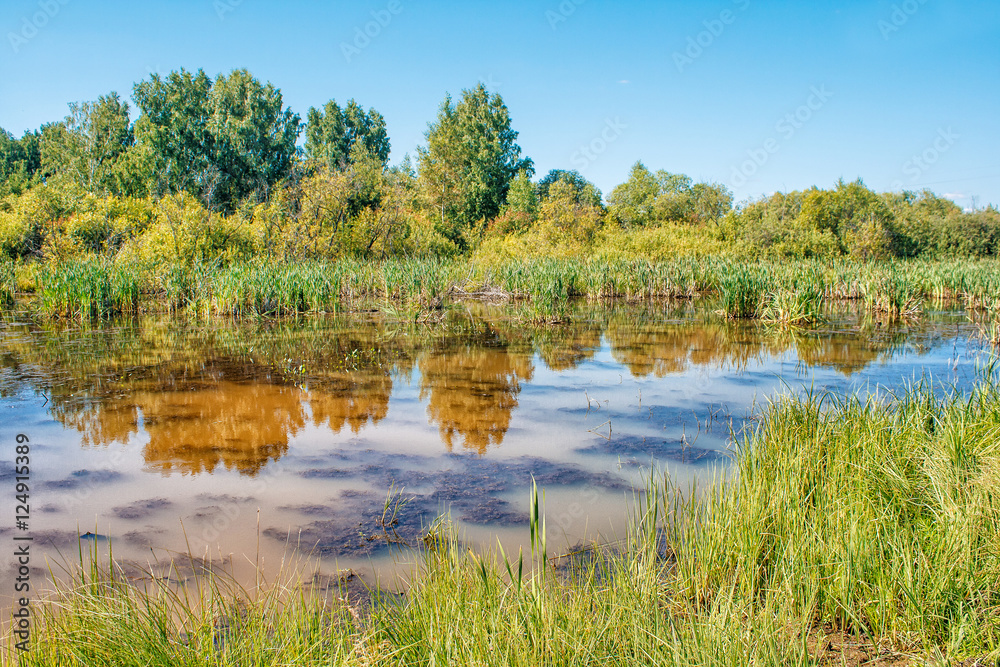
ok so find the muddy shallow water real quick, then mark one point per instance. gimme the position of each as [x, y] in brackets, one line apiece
[343, 438]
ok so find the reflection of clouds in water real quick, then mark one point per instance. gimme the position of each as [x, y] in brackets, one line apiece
[472, 489]
[81, 478]
[141, 509]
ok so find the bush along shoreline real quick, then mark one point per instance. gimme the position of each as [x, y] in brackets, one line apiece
[849, 530]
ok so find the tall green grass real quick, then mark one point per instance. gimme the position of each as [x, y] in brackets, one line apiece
[8, 284]
[741, 293]
[879, 516]
[793, 308]
[870, 522]
[795, 289]
[893, 296]
[89, 289]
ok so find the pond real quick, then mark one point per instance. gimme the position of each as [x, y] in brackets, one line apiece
[235, 445]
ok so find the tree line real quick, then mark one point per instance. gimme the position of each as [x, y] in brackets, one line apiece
[211, 169]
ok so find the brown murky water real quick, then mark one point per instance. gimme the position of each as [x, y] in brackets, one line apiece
[343, 438]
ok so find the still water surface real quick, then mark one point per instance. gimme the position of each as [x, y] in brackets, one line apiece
[244, 443]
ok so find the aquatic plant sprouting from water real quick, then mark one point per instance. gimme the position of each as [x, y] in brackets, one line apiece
[88, 289]
[742, 291]
[8, 284]
[991, 328]
[803, 307]
[893, 296]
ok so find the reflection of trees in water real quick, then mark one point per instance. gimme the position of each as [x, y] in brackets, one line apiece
[471, 388]
[195, 427]
[356, 402]
[217, 394]
[845, 355]
[100, 422]
[565, 348]
[208, 396]
[239, 426]
[663, 349]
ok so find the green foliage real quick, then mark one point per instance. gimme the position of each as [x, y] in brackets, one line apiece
[468, 164]
[174, 129]
[859, 218]
[231, 144]
[20, 162]
[584, 188]
[185, 232]
[522, 197]
[220, 141]
[647, 199]
[87, 146]
[663, 243]
[332, 133]
[104, 225]
[26, 221]
[932, 226]
[569, 216]
[631, 203]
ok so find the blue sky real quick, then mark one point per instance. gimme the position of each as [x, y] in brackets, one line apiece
[761, 96]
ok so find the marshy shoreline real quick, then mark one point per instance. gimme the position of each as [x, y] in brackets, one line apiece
[782, 292]
[852, 531]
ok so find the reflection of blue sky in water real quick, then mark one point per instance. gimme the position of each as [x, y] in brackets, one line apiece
[134, 431]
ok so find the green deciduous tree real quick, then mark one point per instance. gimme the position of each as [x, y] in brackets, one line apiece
[585, 190]
[860, 219]
[20, 161]
[522, 197]
[632, 203]
[711, 201]
[569, 217]
[521, 209]
[332, 133]
[469, 162]
[254, 137]
[221, 140]
[648, 198]
[87, 146]
[174, 129]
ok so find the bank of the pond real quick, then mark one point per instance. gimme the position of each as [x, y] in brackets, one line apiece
[853, 530]
[790, 292]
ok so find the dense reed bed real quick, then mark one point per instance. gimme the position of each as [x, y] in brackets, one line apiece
[787, 292]
[849, 529]
[8, 284]
[91, 289]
